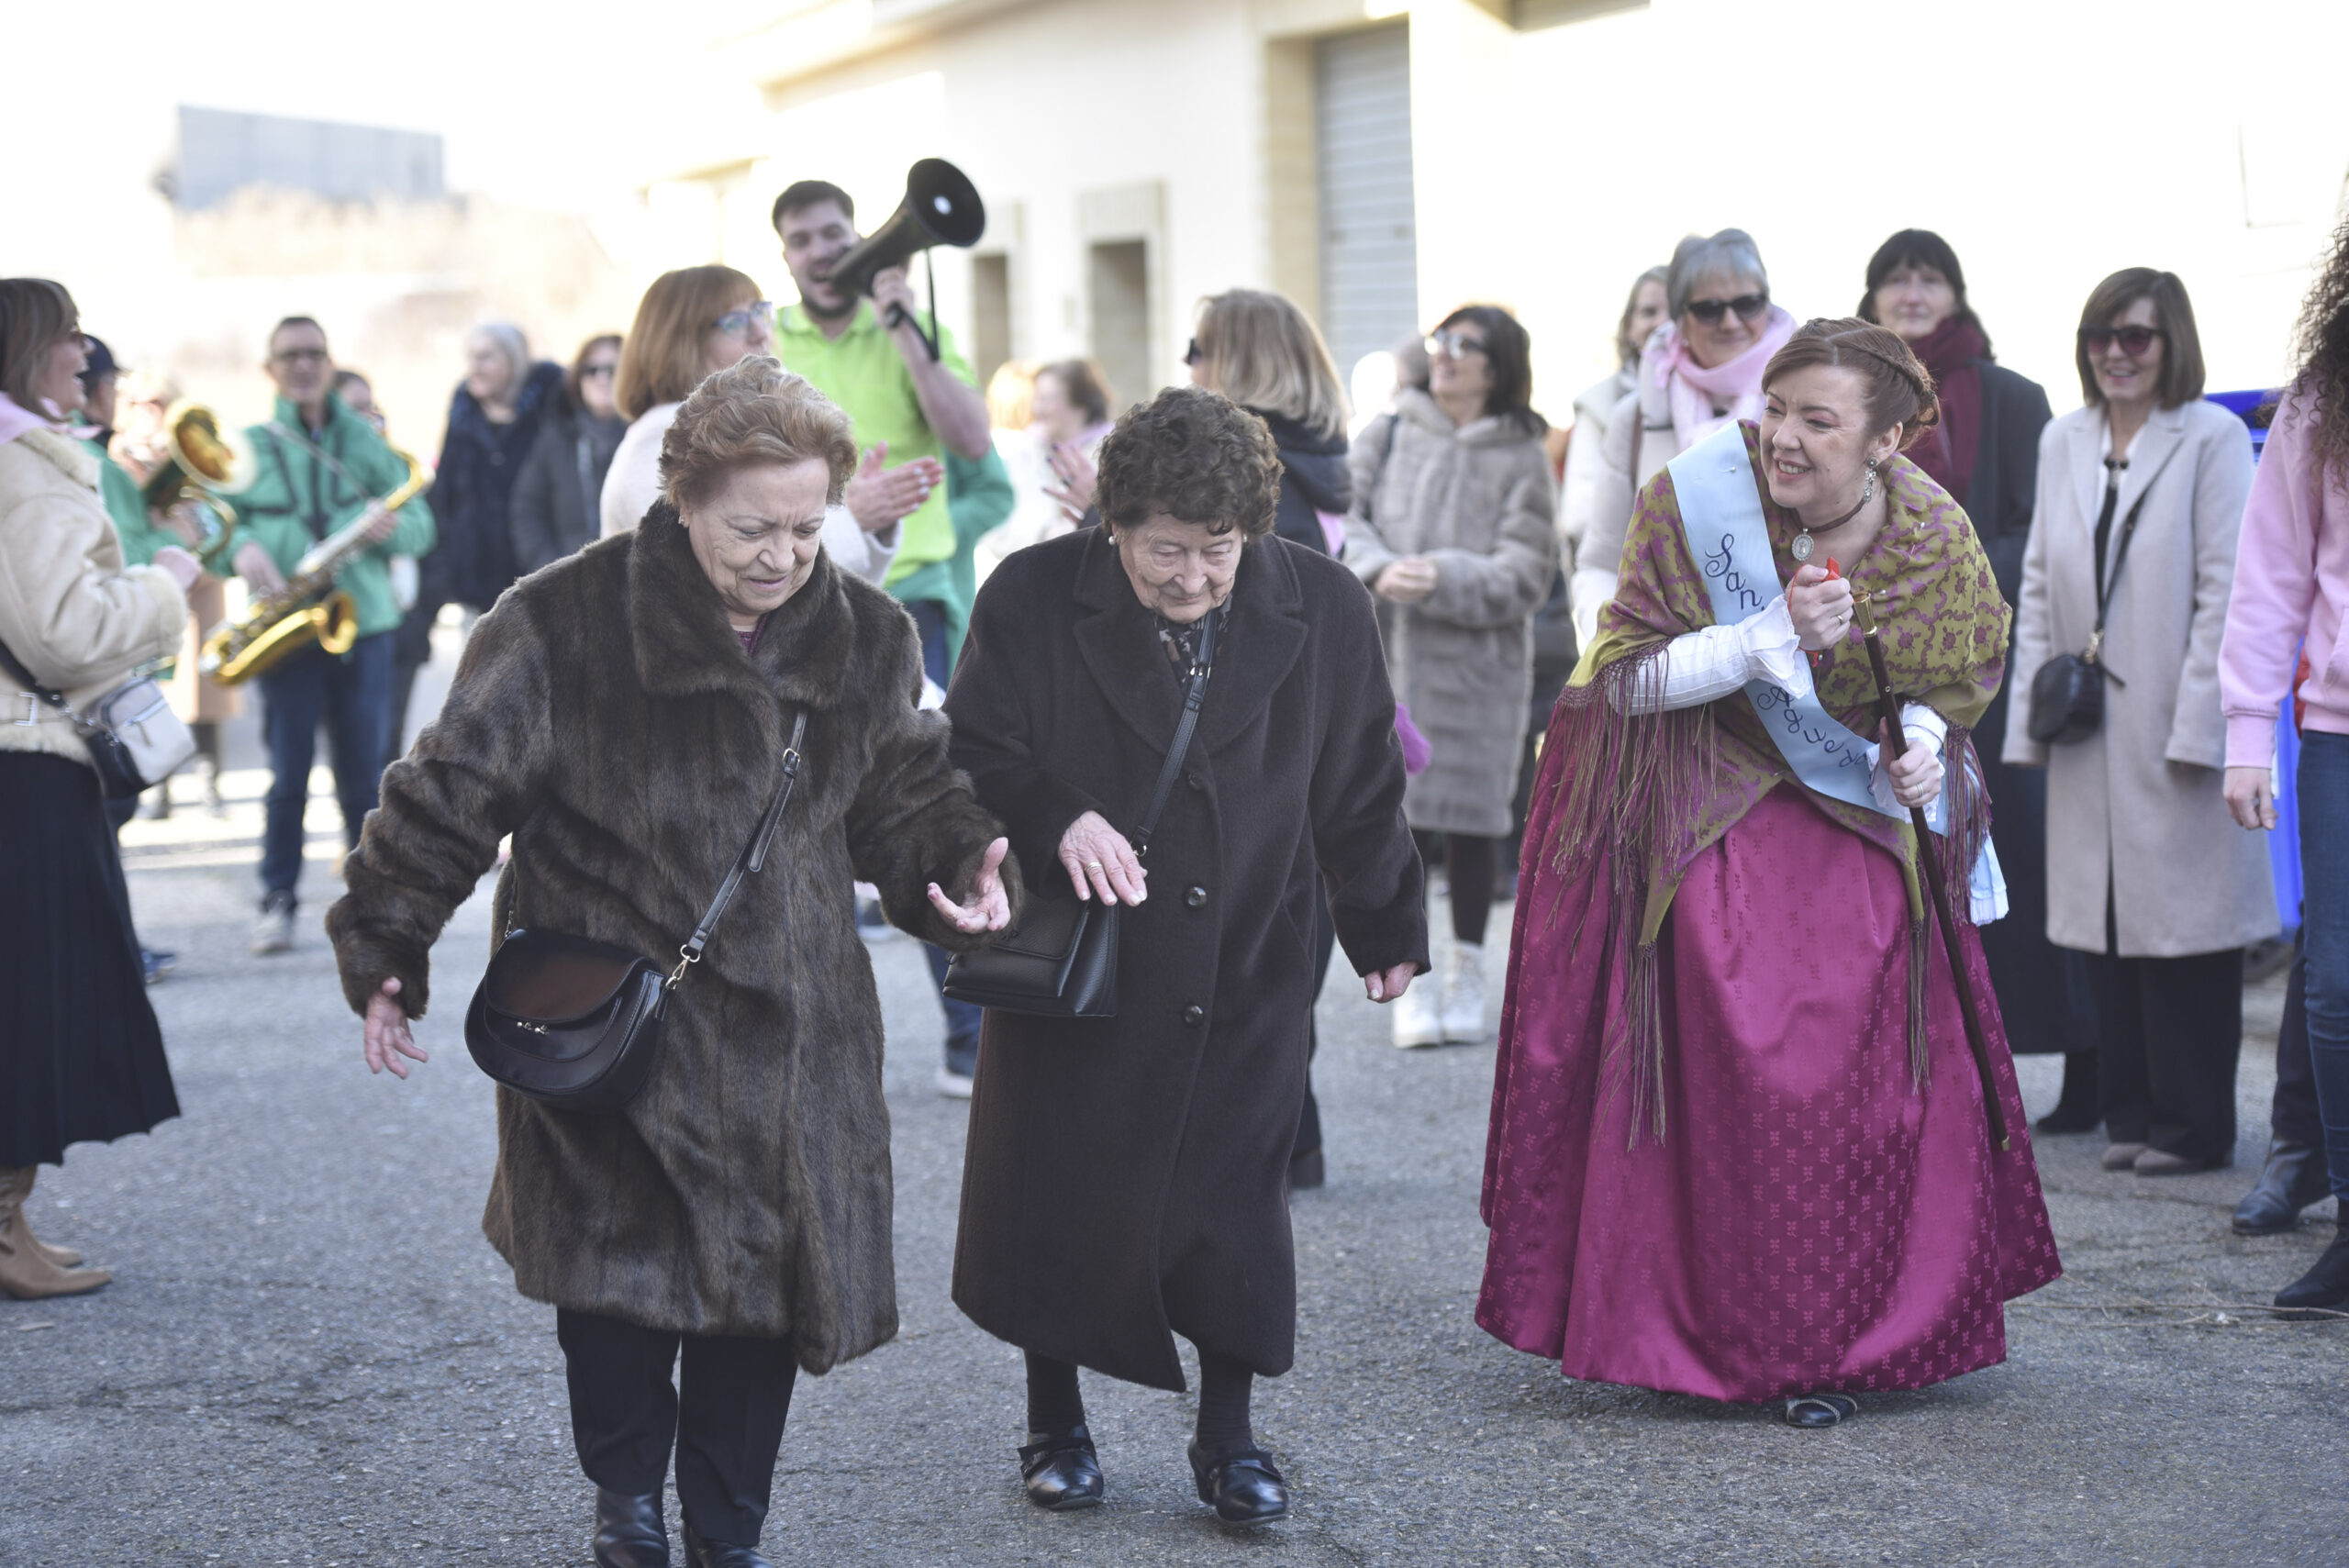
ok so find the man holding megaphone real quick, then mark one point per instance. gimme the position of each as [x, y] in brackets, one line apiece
[859, 335]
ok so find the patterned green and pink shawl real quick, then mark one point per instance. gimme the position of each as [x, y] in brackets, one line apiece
[1643, 795]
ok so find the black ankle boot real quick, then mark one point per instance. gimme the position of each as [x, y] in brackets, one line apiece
[629, 1531]
[2077, 1109]
[2326, 1285]
[700, 1554]
[1061, 1469]
[1242, 1486]
[2293, 1178]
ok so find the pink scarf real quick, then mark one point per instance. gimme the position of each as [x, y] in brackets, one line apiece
[1735, 386]
[15, 419]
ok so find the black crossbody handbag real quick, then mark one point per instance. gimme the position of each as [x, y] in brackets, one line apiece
[1060, 961]
[2067, 695]
[576, 1024]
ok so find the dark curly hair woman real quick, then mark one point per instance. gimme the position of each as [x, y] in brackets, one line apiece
[1127, 1176]
[2284, 638]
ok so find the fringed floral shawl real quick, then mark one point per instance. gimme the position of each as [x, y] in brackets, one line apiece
[1644, 794]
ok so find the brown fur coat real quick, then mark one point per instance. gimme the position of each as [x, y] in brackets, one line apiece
[606, 717]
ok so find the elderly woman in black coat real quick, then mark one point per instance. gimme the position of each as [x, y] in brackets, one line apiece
[624, 715]
[1986, 453]
[1126, 1180]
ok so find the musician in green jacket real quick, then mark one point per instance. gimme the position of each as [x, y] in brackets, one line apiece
[321, 467]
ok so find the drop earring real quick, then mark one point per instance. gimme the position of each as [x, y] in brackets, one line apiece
[1867, 491]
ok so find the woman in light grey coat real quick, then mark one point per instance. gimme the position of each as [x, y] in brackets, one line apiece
[1451, 527]
[2141, 874]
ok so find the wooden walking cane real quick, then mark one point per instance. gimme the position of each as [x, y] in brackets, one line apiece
[1936, 887]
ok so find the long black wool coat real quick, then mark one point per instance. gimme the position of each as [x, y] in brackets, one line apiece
[1127, 1177]
[607, 716]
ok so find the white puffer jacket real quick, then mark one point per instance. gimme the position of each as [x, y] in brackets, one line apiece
[69, 611]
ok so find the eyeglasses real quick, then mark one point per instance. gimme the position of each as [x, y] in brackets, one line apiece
[2134, 340]
[1194, 354]
[586, 372]
[1747, 306]
[737, 323]
[1452, 344]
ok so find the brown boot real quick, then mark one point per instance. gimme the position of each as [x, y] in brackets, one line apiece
[26, 1270]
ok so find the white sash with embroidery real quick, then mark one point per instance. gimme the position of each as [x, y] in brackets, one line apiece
[1721, 516]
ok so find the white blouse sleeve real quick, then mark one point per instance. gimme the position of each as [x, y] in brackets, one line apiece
[1702, 666]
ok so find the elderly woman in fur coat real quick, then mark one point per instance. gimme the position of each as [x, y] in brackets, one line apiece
[1127, 1178]
[624, 715]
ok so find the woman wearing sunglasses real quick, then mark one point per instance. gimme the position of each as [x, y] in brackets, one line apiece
[691, 324]
[561, 489]
[1451, 527]
[2141, 491]
[1699, 371]
[1985, 453]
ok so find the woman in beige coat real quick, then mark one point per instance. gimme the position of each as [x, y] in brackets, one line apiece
[81, 1058]
[2141, 874]
[1451, 527]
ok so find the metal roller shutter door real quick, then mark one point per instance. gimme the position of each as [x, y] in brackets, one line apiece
[1369, 244]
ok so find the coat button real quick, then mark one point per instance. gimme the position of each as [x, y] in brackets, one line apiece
[1195, 1016]
[1196, 897]
[1193, 780]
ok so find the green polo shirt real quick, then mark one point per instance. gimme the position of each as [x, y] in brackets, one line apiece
[862, 372]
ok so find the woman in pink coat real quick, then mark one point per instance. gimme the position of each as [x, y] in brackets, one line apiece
[2291, 591]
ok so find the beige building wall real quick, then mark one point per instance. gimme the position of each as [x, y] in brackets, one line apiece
[2051, 141]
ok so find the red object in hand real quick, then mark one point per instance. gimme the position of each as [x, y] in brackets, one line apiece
[1834, 572]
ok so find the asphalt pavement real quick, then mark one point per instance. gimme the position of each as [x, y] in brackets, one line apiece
[310, 1356]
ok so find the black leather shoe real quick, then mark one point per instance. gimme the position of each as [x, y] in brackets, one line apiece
[629, 1531]
[1061, 1469]
[1241, 1486]
[2293, 1178]
[1812, 1411]
[700, 1554]
[2325, 1285]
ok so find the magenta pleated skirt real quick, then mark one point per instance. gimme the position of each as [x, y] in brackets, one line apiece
[1811, 1219]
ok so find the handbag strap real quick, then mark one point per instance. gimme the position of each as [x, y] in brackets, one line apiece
[2104, 589]
[1192, 695]
[754, 856]
[33, 688]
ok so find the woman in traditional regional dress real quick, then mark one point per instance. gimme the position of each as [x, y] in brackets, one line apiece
[1738, 1145]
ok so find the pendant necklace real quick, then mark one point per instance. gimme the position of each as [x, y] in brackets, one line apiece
[1802, 545]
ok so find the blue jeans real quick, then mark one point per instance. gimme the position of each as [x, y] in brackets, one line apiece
[929, 619]
[2324, 866]
[353, 695]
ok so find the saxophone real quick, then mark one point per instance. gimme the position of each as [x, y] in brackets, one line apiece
[310, 608]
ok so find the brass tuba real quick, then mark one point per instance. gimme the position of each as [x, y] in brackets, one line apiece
[204, 464]
[310, 608]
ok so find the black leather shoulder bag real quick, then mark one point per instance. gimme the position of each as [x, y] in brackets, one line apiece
[576, 1024]
[2067, 695]
[1060, 961]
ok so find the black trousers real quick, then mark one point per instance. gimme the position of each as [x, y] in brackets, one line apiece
[2294, 1118]
[2171, 1030]
[727, 1426]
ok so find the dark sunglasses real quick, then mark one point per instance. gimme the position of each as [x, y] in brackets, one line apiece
[2134, 340]
[1747, 306]
[1194, 354]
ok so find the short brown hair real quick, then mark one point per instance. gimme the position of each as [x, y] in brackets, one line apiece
[1899, 389]
[2182, 377]
[1195, 455]
[34, 314]
[663, 356]
[1083, 385]
[752, 411]
[801, 194]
